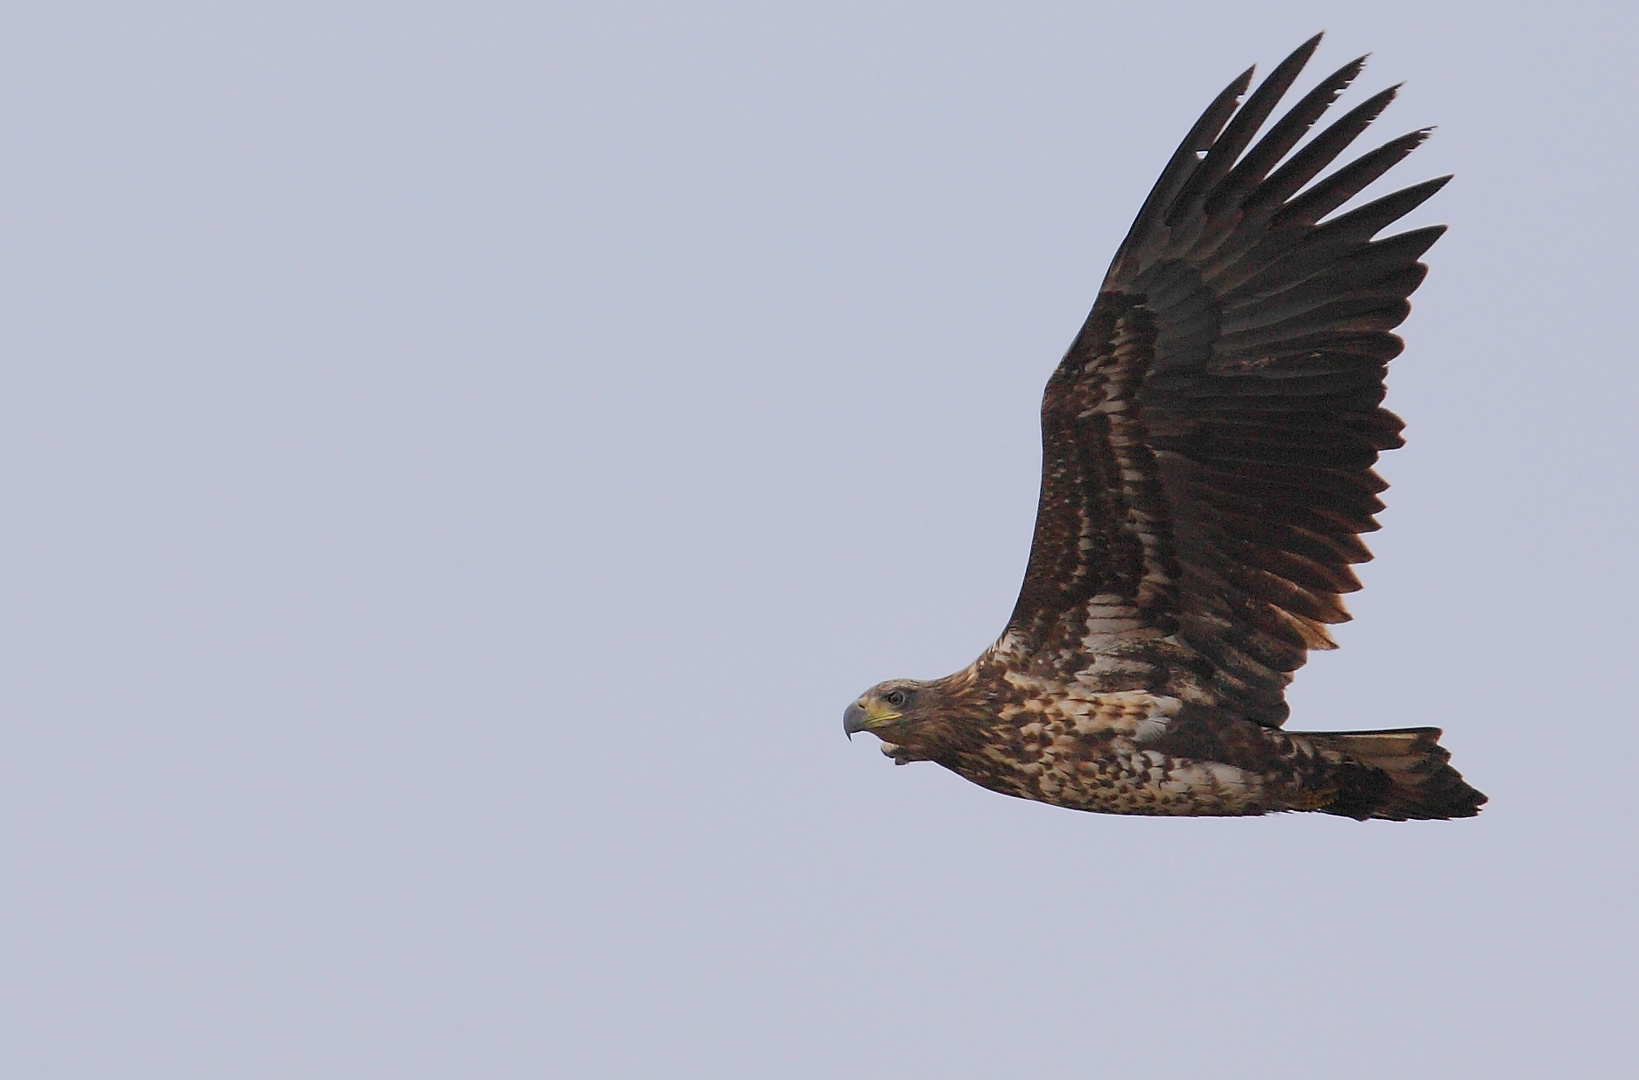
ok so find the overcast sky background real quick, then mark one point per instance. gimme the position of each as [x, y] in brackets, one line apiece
[458, 461]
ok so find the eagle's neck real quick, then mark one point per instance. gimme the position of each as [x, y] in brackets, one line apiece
[961, 714]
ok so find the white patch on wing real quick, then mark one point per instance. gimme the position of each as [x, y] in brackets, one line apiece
[1105, 664]
[1156, 719]
[1008, 646]
[1110, 619]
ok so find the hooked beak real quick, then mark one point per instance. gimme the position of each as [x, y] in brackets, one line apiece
[866, 717]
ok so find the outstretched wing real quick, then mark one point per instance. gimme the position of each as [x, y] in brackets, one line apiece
[1208, 440]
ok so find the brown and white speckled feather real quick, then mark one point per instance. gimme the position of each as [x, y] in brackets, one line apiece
[1207, 451]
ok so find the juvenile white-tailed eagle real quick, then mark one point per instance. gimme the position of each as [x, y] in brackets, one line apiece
[1207, 453]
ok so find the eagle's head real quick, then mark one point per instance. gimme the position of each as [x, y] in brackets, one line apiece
[916, 721]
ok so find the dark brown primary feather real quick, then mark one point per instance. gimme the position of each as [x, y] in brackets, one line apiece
[1209, 438]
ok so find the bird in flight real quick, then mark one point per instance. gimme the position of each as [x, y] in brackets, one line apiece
[1207, 451]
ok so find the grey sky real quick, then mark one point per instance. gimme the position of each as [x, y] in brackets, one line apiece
[459, 460]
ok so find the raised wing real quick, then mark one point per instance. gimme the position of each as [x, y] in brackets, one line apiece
[1208, 440]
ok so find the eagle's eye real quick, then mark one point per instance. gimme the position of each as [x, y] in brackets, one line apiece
[895, 698]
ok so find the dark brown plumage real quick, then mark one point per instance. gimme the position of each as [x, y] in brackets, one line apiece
[1207, 452]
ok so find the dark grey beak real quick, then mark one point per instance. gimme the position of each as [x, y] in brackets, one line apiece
[854, 719]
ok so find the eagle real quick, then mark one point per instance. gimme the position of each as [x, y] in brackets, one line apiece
[1208, 444]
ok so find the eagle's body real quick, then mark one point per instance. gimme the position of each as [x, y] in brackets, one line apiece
[1208, 444]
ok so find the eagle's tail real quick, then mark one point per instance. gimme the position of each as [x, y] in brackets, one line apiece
[1397, 775]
